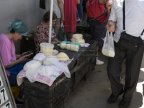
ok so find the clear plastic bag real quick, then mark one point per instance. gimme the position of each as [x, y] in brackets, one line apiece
[108, 46]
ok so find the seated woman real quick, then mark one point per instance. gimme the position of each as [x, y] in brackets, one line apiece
[13, 63]
[42, 33]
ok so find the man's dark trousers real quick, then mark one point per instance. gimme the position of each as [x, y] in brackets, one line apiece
[132, 53]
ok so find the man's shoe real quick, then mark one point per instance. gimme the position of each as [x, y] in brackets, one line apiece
[124, 103]
[113, 98]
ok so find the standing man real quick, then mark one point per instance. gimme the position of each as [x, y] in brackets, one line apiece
[129, 46]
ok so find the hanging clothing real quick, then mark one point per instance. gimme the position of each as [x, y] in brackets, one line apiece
[96, 11]
[70, 9]
[42, 4]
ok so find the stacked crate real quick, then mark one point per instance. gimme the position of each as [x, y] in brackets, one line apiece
[38, 95]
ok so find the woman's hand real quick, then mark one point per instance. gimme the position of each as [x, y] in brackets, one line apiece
[24, 53]
[20, 55]
[19, 60]
[22, 59]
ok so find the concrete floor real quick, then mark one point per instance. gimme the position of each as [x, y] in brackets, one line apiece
[93, 92]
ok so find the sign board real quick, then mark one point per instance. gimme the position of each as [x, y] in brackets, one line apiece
[6, 97]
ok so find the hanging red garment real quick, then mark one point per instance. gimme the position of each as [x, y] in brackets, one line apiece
[70, 8]
[96, 10]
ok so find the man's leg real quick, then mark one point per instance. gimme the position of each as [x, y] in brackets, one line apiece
[133, 64]
[114, 69]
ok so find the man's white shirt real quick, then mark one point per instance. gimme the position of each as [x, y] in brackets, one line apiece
[134, 17]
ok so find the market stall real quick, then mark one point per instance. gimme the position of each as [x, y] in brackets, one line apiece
[38, 95]
[52, 95]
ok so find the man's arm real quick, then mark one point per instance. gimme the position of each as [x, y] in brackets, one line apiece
[112, 20]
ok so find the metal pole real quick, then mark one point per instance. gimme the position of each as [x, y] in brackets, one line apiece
[50, 24]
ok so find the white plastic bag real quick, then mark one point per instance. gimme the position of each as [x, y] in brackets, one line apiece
[108, 46]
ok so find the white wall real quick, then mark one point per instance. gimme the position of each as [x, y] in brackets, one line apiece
[27, 10]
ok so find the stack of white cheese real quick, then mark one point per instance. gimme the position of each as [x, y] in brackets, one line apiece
[78, 38]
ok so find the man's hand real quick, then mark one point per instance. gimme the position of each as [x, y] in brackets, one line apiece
[110, 26]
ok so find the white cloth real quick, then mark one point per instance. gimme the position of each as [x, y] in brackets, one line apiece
[51, 60]
[134, 21]
[39, 57]
[31, 65]
[62, 66]
[46, 74]
[28, 70]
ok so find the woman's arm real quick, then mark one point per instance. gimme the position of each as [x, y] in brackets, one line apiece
[21, 59]
[61, 7]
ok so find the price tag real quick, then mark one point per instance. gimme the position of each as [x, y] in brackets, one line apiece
[3, 96]
[7, 105]
[1, 82]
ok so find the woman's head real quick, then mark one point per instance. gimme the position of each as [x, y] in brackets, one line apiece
[46, 17]
[18, 29]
